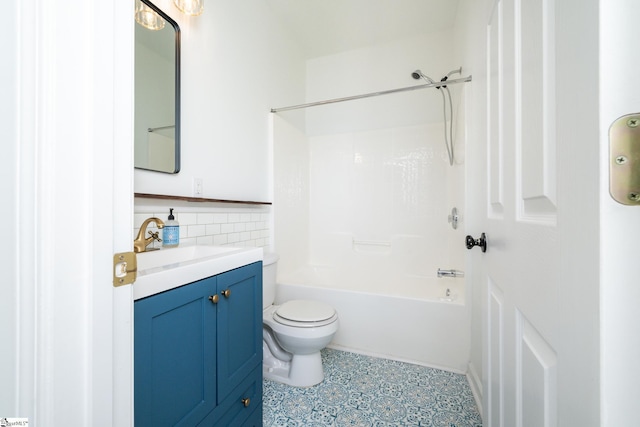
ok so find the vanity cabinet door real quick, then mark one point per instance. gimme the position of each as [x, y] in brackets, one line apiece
[175, 356]
[239, 326]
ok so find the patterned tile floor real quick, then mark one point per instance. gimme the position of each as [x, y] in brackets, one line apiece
[361, 390]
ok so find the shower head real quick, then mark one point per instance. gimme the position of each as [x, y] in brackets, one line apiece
[417, 74]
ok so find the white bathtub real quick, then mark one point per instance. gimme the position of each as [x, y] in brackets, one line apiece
[407, 318]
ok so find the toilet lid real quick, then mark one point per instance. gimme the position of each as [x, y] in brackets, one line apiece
[305, 311]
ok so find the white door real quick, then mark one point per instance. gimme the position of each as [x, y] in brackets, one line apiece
[537, 138]
[67, 195]
[620, 232]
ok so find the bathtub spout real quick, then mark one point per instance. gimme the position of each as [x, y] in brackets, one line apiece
[450, 273]
[274, 347]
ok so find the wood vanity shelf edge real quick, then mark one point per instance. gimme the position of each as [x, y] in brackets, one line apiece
[197, 199]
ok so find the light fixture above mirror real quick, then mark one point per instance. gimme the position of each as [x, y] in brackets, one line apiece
[190, 7]
[148, 17]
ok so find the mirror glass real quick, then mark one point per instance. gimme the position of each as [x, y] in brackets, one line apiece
[157, 92]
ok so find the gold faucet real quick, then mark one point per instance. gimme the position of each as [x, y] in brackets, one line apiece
[140, 243]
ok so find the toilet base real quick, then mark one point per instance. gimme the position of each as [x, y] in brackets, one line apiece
[304, 370]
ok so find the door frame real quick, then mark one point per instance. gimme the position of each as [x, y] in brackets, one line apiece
[620, 224]
[69, 127]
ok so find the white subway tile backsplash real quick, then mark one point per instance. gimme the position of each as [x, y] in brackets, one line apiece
[205, 218]
[243, 227]
[220, 239]
[220, 218]
[212, 229]
[186, 218]
[205, 240]
[196, 230]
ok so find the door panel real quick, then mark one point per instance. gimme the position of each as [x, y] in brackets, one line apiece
[535, 376]
[495, 356]
[535, 108]
[521, 264]
[494, 108]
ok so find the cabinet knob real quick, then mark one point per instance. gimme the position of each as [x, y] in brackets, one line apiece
[214, 298]
[246, 401]
[226, 293]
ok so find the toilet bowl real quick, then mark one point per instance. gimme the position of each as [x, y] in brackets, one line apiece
[293, 334]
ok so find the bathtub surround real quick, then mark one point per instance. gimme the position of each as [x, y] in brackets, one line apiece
[367, 198]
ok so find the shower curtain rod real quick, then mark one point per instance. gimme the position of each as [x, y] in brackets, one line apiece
[369, 95]
[160, 128]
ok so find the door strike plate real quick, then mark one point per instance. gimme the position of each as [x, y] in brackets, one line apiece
[624, 160]
[125, 266]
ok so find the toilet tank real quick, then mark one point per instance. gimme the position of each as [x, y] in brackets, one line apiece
[269, 270]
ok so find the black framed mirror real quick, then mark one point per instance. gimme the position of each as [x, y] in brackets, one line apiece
[157, 90]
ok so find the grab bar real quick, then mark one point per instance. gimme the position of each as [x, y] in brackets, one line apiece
[371, 242]
[450, 273]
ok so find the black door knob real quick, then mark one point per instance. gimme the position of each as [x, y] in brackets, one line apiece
[481, 242]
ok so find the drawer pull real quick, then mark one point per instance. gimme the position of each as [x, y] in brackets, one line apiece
[226, 293]
[214, 298]
[246, 401]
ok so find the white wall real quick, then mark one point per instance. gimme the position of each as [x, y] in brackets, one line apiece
[378, 68]
[237, 63]
[470, 30]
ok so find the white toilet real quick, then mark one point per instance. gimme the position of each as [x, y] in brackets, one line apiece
[293, 333]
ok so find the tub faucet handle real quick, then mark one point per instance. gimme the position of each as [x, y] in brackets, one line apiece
[453, 218]
[450, 273]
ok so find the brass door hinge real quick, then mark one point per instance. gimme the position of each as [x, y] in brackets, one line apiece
[624, 160]
[125, 267]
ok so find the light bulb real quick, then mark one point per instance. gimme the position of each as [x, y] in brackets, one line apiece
[147, 17]
[190, 7]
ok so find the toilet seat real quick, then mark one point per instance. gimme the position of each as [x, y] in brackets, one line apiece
[305, 314]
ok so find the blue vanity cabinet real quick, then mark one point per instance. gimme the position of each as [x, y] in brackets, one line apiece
[239, 326]
[239, 340]
[198, 352]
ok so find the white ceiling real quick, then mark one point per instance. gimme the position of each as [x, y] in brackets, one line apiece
[325, 27]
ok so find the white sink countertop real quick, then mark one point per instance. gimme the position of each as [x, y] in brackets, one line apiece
[165, 269]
